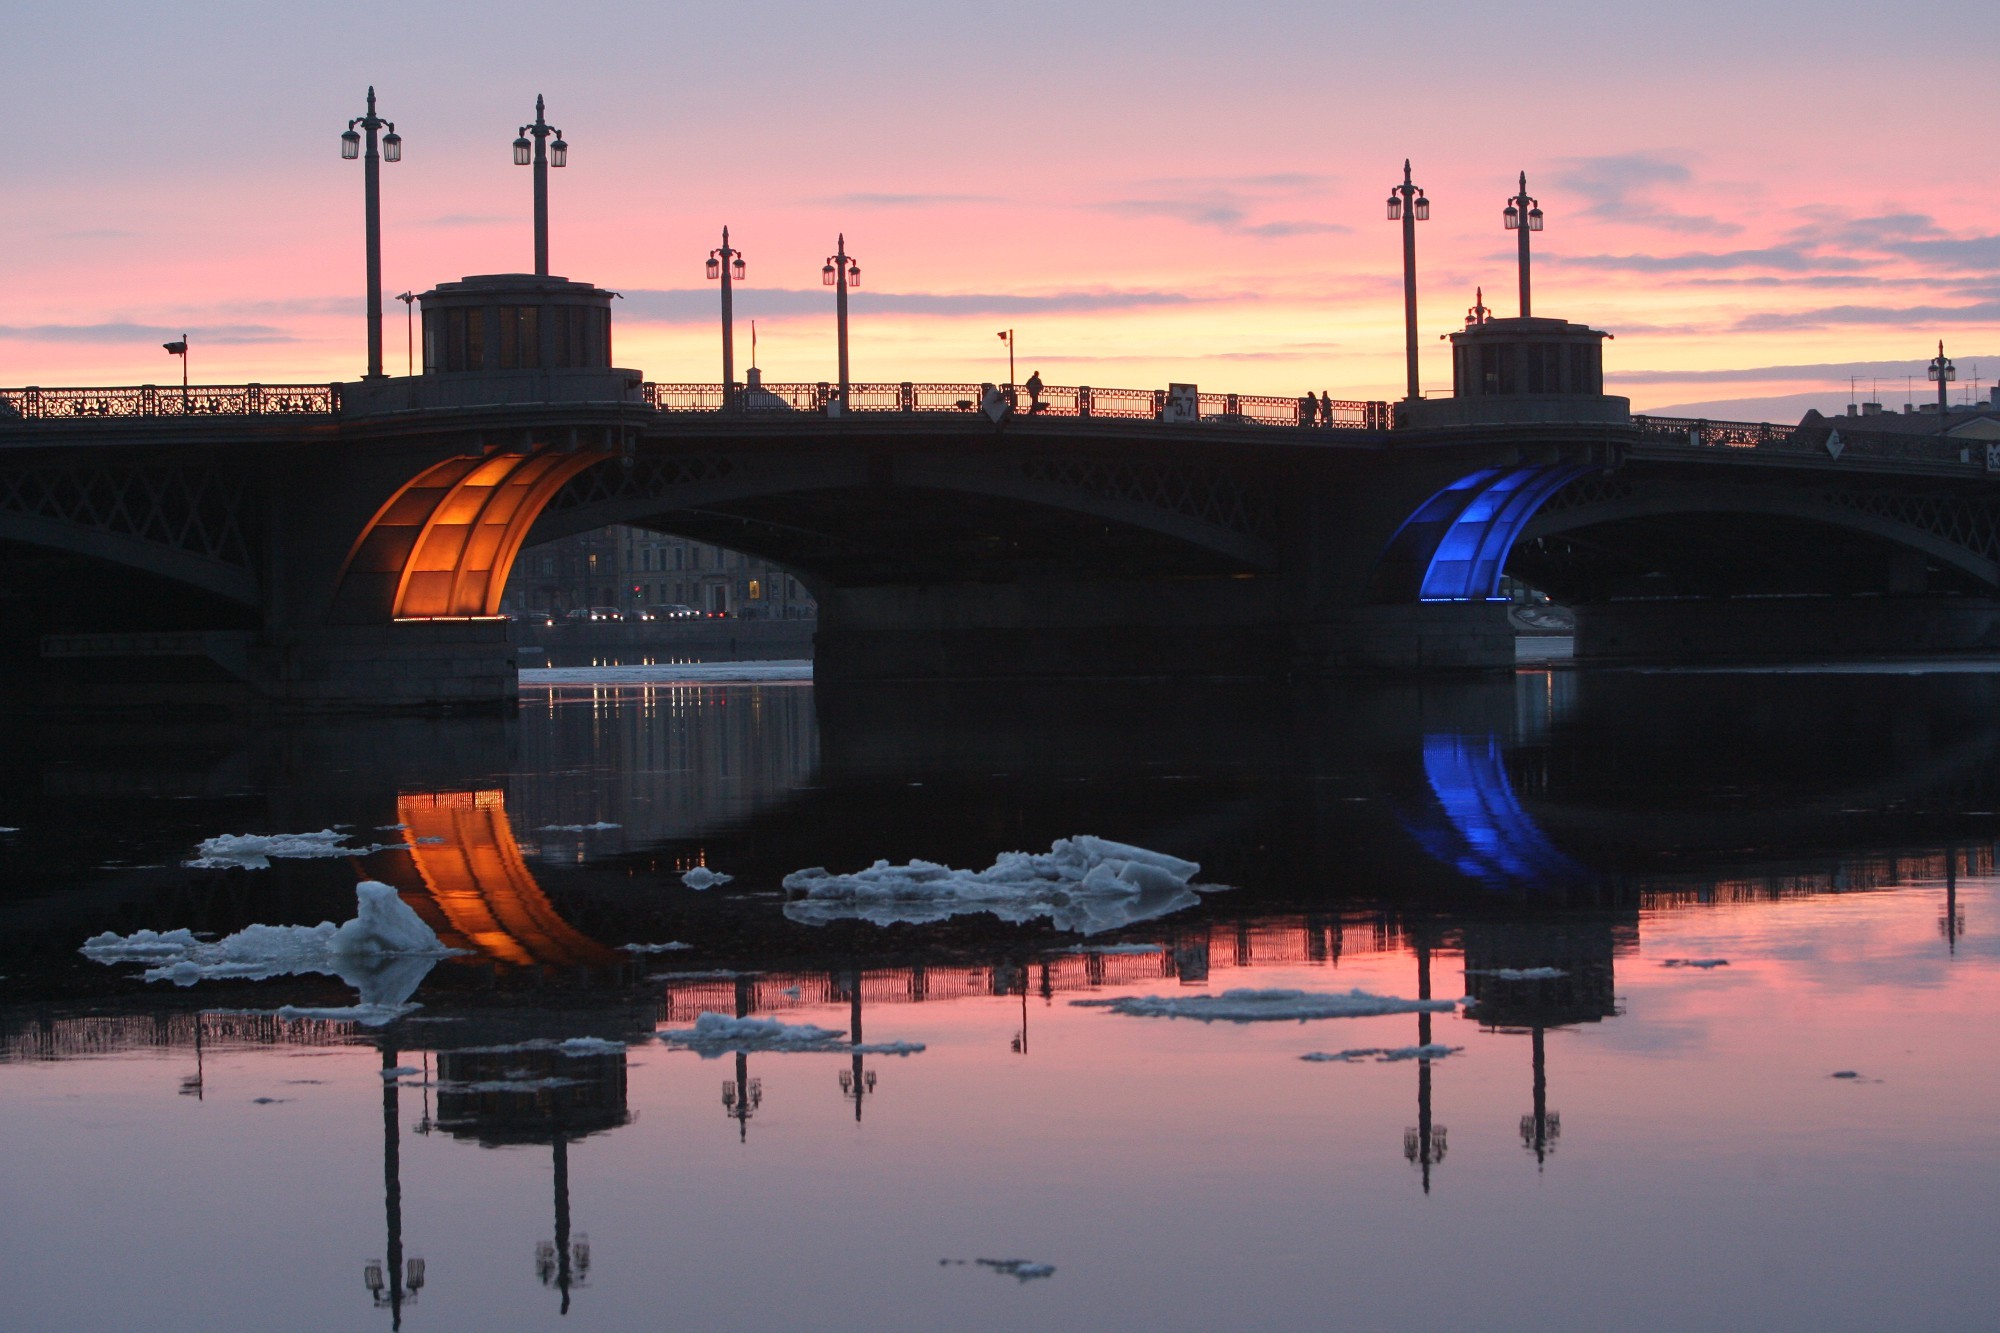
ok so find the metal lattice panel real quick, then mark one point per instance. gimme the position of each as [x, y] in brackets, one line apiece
[192, 509]
[1204, 492]
[1963, 521]
[646, 477]
[1585, 492]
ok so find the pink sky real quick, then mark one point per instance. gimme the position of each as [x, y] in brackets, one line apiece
[1756, 198]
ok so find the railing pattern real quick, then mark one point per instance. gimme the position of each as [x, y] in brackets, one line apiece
[1054, 400]
[148, 400]
[254, 400]
[1835, 439]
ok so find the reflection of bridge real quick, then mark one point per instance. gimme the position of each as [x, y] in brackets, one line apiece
[948, 531]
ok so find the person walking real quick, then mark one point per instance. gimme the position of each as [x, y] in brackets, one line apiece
[1308, 409]
[1325, 408]
[1034, 388]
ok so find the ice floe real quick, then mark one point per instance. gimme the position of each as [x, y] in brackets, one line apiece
[719, 1034]
[1083, 884]
[1517, 973]
[1115, 949]
[668, 947]
[384, 953]
[1026, 1270]
[400, 1071]
[701, 877]
[254, 851]
[8, 828]
[599, 827]
[1383, 1055]
[1266, 1006]
[1695, 962]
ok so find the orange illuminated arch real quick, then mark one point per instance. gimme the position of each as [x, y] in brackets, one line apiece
[444, 544]
[477, 890]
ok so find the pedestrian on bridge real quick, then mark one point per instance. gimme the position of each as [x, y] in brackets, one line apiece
[1034, 387]
[1308, 409]
[1325, 408]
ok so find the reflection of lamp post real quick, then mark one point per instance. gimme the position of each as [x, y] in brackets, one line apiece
[1952, 923]
[856, 1083]
[1424, 1144]
[840, 273]
[391, 1282]
[392, 151]
[727, 264]
[1541, 1127]
[741, 1099]
[1408, 206]
[563, 1263]
[1523, 215]
[543, 155]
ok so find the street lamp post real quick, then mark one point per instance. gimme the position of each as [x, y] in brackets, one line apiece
[543, 155]
[840, 273]
[391, 151]
[1942, 372]
[1408, 206]
[180, 349]
[1523, 215]
[727, 264]
[409, 300]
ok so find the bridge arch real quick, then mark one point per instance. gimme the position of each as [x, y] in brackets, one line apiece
[1960, 533]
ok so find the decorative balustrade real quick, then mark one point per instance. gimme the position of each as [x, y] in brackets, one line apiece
[1834, 439]
[148, 400]
[1054, 400]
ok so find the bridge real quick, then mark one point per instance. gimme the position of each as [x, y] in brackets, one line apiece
[347, 544]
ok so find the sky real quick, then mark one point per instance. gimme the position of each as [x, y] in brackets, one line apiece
[1759, 198]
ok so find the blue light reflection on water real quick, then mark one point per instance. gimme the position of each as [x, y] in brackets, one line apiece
[1484, 833]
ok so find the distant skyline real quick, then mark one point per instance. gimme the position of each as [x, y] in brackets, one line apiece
[1758, 199]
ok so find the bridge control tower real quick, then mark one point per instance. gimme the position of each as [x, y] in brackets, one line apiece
[1522, 371]
[507, 338]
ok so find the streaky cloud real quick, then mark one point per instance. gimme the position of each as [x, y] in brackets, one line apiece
[1757, 374]
[1984, 312]
[1618, 187]
[1777, 256]
[215, 334]
[698, 304]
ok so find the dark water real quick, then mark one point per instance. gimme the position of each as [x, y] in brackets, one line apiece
[1614, 1141]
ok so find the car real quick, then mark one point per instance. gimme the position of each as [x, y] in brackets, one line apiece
[678, 611]
[606, 613]
[641, 613]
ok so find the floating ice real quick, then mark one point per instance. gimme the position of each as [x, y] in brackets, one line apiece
[1265, 1006]
[1114, 949]
[1517, 973]
[590, 1046]
[701, 877]
[707, 673]
[506, 1084]
[719, 1034]
[1845, 1073]
[1027, 1270]
[1083, 884]
[1695, 962]
[253, 851]
[598, 827]
[668, 947]
[8, 828]
[1383, 1055]
[384, 952]
[400, 1071]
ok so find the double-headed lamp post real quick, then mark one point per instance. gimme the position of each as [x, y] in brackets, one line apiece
[840, 273]
[1523, 215]
[727, 264]
[543, 155]
[1942, 373]
[1408, 206]
[391, 146]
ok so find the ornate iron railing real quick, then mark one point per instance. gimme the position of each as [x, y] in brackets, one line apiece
[1054, 400]
[257, 400]
[148, 400]
[1834, 439]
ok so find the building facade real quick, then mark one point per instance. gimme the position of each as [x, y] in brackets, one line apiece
[635, 569]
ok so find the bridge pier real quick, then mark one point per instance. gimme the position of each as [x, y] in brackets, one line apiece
[1774, 629]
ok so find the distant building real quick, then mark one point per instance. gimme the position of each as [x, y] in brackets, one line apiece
[1974, 421]
[634, 569]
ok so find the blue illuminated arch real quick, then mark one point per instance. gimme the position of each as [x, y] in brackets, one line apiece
[1460, 538]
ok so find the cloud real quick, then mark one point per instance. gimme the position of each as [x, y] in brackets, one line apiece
[690, 305]
[1230, 203]
[867, 199]
[1984, 312]
[214, 334]
[1778, 256]
[1620, 188]
[1221, 214]
[1827, 370]
[1971, 252]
